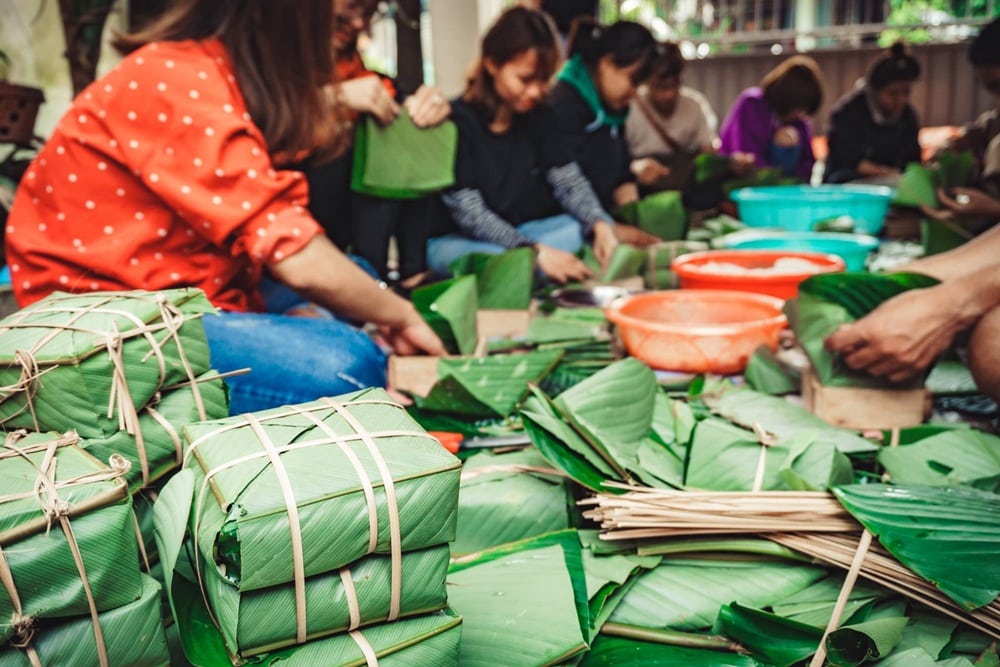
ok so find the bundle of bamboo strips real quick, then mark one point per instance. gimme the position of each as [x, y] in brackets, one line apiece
[644, 513]
[881, 568]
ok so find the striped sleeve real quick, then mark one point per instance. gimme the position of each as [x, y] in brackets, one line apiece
[574, 193]
[475, 219]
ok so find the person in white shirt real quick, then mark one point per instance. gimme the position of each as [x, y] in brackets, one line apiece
[668, 125]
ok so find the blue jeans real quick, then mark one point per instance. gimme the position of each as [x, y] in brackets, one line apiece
[559, 231]
[291, 359]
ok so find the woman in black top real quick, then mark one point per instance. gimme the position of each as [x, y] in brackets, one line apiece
[607, 64]
[874, 130]
[515, 182]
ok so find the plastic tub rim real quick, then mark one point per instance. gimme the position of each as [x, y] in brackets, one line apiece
[614, 313]
[863, 241]
[679, 266]
[811, 192]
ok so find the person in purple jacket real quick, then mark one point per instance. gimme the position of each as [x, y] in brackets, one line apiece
[770, 123]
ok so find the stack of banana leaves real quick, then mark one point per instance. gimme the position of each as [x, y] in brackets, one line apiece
[731, 527]
[125, 370]
[312, 534]
[71, 592]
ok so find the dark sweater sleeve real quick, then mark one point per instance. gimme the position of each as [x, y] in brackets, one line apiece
[846, 137]
[475, 219]
[465, 201]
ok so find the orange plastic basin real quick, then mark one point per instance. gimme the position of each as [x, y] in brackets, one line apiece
[695, 270]
[697, 331]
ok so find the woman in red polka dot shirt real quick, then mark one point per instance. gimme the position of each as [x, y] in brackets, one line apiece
[167, 172]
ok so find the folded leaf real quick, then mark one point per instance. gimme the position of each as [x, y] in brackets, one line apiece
[504, 280]
[917, 187]
[764, 373]
[771, 638]
[853, 645]
[449, 307]
[401, 160]
[618, 652]
[491, 386]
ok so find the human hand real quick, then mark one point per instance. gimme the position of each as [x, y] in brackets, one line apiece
[904, 335]
[969, 202]
[427, 107]
[368, 95]
[649, 170]
[632, 235]
[605, 241]
[869, 168]
[414, 337]
[786, 136]
[740, 164]
[560, 265]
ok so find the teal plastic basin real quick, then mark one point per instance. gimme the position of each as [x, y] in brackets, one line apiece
[799, 207]
[852, 248]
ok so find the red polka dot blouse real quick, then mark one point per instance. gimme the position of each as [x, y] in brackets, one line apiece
[155, 178]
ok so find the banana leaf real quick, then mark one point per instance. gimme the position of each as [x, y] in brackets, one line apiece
[951, 378]
[711, 167]
[917, 187]
[263, 621]
[160, 423]
[724, 457]
[685, 595]
[618, 652]
[770, 638]
[240, 518]
[449, 307]
[941, 534]
[814, 605]
[827, 302]
[38, 552]
[603, 428]
[759, 177]
[714, 228]
[938, 236]
[952, 458]
[781, 418]
[908, 436]
[522, 604]
[929, 631]
[427, 640]
[918, 657]
[502, 501]
[766, 374]
[133, 636]
[955, 170]
[844, 224]
[661, 214]
[852, 645]
[568, 324]
[504, 281]
[142, 506]
[56, 353]
[401, 160]
[626, 261]
[489, 386]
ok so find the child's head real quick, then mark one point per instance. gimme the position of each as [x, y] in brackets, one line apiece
[794, 89]
[618, 56]
[664, 83]
[984, 55]
[282, 57]
[517, 58]
[891, 78]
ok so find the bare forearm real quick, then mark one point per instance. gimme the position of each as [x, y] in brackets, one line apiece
[982, 252]
[323, 274]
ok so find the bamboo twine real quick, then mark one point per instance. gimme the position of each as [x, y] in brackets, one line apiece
[845, 593]
[672, 637]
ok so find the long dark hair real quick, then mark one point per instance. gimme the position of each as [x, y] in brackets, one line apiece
[282, 53]
[516, 31]
[625, 42]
